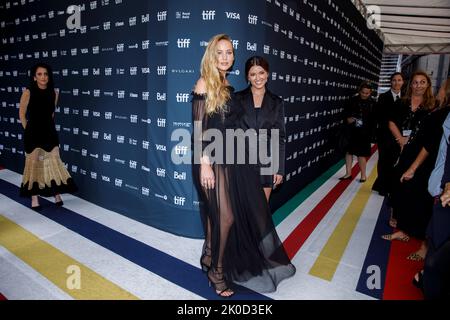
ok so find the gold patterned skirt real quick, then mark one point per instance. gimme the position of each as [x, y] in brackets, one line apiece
[45, 174]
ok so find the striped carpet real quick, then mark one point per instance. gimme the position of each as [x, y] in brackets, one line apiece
[331, 230]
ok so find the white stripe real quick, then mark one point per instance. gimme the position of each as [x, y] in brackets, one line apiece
[18, 281]
[127, 275]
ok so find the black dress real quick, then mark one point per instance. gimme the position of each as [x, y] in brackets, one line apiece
[269, 116]
[361, 130]
[388, 148]
[253, 254]
[412, 205]
[44, 173]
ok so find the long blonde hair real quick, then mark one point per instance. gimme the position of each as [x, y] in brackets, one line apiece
[217, 93]
[428, 99]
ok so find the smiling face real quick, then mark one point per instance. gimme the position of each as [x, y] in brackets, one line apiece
[257, 77]
[224, 55]
[419, 85]
[41, 77]
[397, 83]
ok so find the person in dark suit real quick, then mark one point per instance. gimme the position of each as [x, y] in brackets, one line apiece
[263, 112]
[388, 150]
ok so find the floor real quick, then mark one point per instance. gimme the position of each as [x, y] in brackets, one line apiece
[331, 230]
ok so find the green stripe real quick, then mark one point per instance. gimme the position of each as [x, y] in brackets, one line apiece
[286, 209]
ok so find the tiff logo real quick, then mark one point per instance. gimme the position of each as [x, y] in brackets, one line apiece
[161, 70]
[183, 42]
[161, 122]
[208, 14]
[235, 44]
[252, 19]
[182, 97]
[161, 15]
[161, 172]
[179, 200]
[181, 150]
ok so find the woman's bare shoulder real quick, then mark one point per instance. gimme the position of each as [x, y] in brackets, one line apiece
[200, 86]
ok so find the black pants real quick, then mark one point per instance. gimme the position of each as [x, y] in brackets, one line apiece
[436, 276]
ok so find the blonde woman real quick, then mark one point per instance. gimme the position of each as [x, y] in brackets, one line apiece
[241, 244]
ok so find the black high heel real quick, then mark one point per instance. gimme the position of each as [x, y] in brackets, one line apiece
[205, 259]
[217, 279]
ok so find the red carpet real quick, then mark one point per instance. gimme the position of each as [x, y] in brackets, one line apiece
[401, 271]
[2, 297]
[300, 234]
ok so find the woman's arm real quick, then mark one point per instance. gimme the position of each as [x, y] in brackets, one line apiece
[401, 140]
[56, 101]
[409, 174]
[23, 105]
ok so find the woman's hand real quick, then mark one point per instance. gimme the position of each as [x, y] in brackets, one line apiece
[445, 196]
[408, 175]
[402, 142]
[207, 178]
[277, 180]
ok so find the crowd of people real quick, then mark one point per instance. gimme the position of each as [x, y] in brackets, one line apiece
[411, 128]
[407, 124]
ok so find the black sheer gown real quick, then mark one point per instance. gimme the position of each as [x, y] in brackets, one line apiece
[242, 230]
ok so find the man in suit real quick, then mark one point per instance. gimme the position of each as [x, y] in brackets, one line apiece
[388, 149]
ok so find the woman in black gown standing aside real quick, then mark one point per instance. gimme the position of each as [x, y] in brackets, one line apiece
[264, 112]
[241, 244]
[44, 173]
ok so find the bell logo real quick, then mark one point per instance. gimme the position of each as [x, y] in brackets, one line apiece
[161, 96]
[179, 176]
[251, 47]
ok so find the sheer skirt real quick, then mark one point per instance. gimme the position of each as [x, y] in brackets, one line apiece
[45, 174]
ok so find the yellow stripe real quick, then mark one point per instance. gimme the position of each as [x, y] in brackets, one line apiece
[57, 266]
[331, 254]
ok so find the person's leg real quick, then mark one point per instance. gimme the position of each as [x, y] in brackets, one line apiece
[34, 201]
[267, 192]
[348, 166]
[362, 166]
[225, 220]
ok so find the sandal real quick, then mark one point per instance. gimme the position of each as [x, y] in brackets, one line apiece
[205, 259]
[415, 257]
[390, 237]
[216, 278]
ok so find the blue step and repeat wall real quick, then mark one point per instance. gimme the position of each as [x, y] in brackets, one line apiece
[125, 78]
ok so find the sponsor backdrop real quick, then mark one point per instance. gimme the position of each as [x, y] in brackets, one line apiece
[125, 70]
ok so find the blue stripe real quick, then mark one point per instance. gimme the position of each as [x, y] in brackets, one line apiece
[152, 259]
[377, 255]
